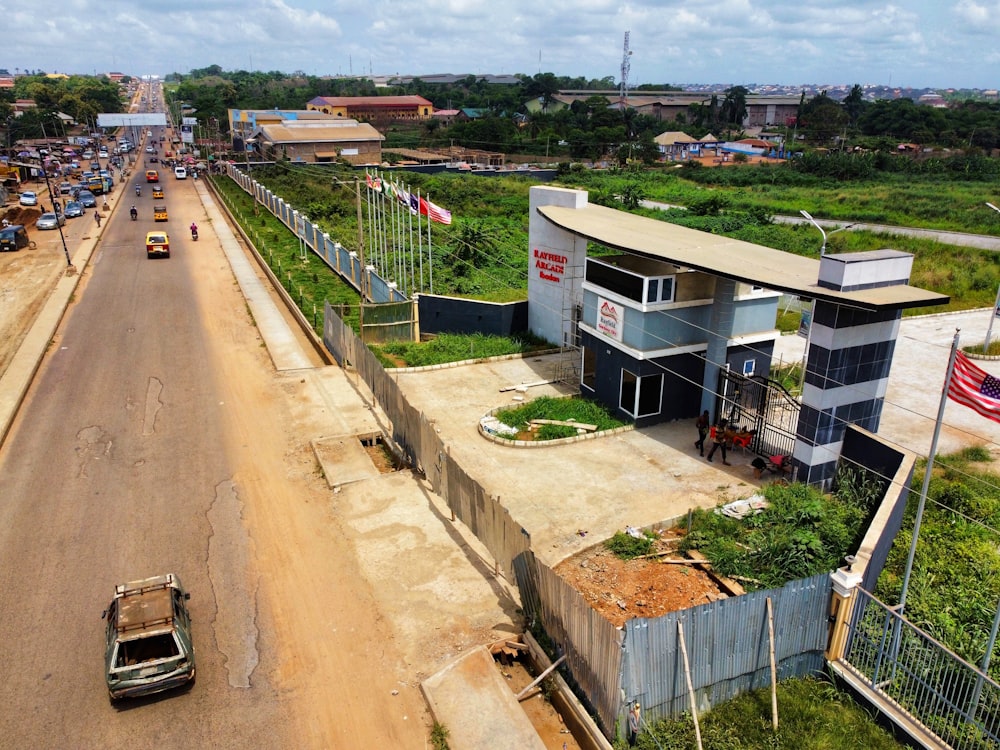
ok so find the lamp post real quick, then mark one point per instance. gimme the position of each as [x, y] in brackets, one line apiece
[822, 250]
[996, 304]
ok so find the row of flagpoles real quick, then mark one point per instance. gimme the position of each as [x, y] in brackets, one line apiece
[397, 221]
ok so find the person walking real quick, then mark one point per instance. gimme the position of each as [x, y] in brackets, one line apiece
[702, 424]
[97, 218]
[719, 441]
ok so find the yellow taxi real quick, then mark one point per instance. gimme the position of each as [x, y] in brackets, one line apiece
[159, 213]
[157, 245]
[157, 191]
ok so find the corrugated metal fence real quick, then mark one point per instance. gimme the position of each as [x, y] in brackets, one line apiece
[728, 647]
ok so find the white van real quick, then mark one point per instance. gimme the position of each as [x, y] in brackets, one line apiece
[180, 173]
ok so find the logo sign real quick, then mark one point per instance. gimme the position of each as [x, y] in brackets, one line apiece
[610, 319]
[805, 321]
[550, 266]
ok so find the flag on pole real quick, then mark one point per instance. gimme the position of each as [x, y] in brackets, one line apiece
[974, 388]
[436, 213]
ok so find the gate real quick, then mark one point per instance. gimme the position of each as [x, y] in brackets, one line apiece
[764, 407]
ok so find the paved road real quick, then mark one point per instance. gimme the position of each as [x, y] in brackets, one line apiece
[962, 239]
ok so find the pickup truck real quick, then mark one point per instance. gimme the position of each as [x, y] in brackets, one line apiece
[148, 638]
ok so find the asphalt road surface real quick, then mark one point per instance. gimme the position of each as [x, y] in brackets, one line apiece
[154, 440]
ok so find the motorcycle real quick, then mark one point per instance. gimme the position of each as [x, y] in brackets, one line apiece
[194, 234]
[134, 213]
[138, 191]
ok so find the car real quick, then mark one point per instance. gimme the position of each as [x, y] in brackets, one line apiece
[87, 198]
[150, 150]
[88, 154]
[148, 644]
[28, 198]
[157, 244]
[65, 188]
[160, 213]
[153, 160]
[50, 220]
[73, 210]
[157, 191]
[13, 237]
[152, 175]
[180, 173]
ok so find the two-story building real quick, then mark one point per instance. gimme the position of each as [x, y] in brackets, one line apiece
[672, 317]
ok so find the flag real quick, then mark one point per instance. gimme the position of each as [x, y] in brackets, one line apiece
[974, 388]
[436, 213]
[368, 179]
[414, 204]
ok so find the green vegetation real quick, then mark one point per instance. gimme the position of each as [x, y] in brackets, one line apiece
[309, 282]
[800, 534]
[628, 547]
[439, 736]
[812, 715]
[955, 585]
[449, 347]
[560, 409]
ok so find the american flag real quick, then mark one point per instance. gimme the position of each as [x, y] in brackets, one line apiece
[438, 214]
[974, 388]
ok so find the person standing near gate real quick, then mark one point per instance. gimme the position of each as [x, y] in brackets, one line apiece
[719, 440]
[702, 424]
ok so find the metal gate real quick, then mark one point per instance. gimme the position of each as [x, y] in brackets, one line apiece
[764, 407]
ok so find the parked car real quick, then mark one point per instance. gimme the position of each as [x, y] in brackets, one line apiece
[28, 198]
[13, 237]
[50, 221]
[87, 198]
[180, 173]
[148, 644]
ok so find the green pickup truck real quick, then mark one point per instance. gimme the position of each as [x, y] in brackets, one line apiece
[149, 647]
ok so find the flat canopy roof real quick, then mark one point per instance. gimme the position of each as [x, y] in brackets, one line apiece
[725, 257]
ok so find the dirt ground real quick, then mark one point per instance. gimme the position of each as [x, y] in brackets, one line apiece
[644, 587]
[542, 714]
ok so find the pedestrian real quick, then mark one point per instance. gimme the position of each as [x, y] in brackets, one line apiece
[702, 423]
[634, 722]
[97, 218]
[719, 441]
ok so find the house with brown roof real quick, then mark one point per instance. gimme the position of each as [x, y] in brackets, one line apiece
[318, 141]
[374, 108]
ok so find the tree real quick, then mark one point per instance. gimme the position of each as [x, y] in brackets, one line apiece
[734, 106]
[854, 104]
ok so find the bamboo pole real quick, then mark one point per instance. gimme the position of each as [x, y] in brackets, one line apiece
[541, 677]
[774, 670]
[690, 687]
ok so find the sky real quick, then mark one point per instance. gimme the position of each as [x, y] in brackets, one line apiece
[906, 43]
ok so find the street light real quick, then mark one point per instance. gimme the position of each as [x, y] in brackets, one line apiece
[822, 250]
[246, 152]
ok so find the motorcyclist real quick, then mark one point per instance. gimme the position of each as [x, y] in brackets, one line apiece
[134, 212]
[194, 229]
[138, 190]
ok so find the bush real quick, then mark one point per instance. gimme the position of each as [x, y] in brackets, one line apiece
[628, 547]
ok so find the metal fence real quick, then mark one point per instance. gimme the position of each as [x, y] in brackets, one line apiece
[906, 669]
[764, 407]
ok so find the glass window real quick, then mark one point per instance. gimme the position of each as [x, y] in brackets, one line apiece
[627, 399]
[653, 290]
[650, 390]
[588, 375]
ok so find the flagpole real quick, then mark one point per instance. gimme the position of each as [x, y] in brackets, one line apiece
[989, 328]
[420, 242]
[430, 258]
[927, 473]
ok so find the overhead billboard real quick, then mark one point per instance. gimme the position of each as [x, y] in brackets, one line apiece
[130, 119]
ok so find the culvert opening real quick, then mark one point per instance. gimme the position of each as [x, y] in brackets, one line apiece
[381, 453]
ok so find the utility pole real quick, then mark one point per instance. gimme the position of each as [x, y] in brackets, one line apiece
[361, 257]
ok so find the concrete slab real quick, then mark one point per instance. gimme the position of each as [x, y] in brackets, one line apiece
[477, 707]
[344, 460]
